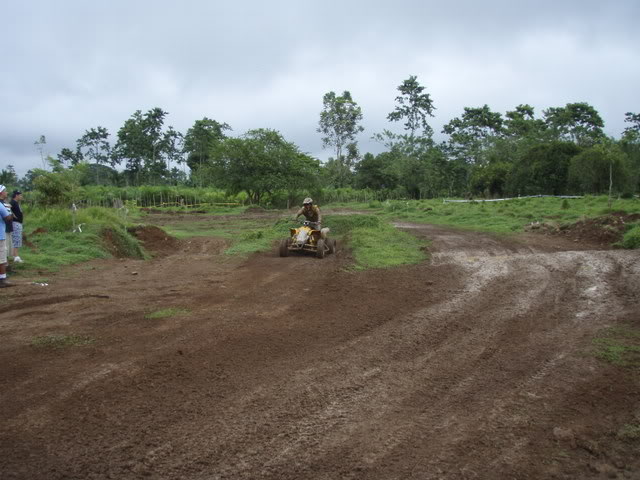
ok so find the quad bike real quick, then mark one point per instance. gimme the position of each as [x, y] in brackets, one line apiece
[307, 238]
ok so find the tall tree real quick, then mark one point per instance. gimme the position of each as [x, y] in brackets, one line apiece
[632, 132]
[131, 145]
[576, 122]
[630, 145]
[173, 146]
[200, 139]
[521, 123]
[8, 176]
[414, 107]
[144, 145]
[94, 145]
[39, 144]
[339, 122]
[70, 157]
[472, 132]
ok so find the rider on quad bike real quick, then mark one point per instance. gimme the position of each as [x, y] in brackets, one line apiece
[312, 213]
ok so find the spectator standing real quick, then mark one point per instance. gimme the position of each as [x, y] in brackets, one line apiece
[6, 217]
[16, 198]
[8, 230]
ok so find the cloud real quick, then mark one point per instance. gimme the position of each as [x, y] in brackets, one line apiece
[75, 65]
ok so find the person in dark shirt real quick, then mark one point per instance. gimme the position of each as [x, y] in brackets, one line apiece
[16, 198]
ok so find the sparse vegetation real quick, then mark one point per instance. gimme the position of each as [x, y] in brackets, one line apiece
[61, 341]
[167, 312]
[631, 238]
[629, 433]
[619, 346]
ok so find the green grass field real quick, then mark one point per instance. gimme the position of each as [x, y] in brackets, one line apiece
[502, 217]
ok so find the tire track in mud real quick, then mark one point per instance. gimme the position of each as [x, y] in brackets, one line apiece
[441, 372]
[410, 370]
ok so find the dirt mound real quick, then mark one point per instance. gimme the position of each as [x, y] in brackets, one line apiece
[154, 239]
[256, 209]
[40, 230]
[602, 231]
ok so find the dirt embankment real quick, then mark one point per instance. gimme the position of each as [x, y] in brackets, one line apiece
[476, 364]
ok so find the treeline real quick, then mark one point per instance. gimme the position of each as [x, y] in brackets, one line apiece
[486, 154]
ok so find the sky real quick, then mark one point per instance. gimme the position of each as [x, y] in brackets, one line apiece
[68, 66]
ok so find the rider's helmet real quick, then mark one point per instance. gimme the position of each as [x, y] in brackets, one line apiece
[307, 201]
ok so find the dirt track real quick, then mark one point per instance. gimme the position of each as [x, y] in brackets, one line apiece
[475, 364]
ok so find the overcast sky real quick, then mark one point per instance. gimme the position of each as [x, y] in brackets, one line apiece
[68, 66]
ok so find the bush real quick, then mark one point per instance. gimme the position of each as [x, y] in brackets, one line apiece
[631, 239]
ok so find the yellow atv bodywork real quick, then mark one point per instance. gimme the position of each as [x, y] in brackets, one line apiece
[306, 239]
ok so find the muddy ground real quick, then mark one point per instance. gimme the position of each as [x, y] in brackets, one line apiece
[477, 364]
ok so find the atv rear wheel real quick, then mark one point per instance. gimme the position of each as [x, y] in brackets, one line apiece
[320, 251]
[284, 246]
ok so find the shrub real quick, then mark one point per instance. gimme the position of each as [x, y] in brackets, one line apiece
[631, 239]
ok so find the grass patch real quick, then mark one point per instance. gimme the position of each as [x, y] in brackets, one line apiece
[619, 346]
[61, 341]
[503, 217]
[384, 247]
[56, 249]
[167, 312]
[260, 239]
[53, 243]
[631, 238]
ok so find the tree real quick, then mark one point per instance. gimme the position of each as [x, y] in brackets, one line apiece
[70, 157]
[632, 133]
[372, 172]
[601, 168]
[173, 146]
[39, 144]
[490, 179]
[8, 176]
[521, 123]
[94, 145]
[472, 132]
[260, 163]
[201, 139]
[630, 144]
[576, 122]
[543, 169]
[145, 146]
[339, 122]
[413, 107]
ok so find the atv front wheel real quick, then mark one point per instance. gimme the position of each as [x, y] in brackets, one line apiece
[284, 246]
[320, 251]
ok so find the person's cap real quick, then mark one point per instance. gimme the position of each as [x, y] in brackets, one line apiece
[16, 193]
[2, 188]
[307, 201]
